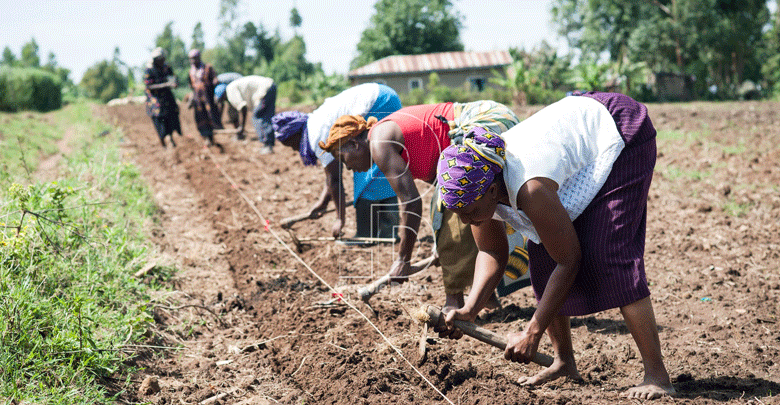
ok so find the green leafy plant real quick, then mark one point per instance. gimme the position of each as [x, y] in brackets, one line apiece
[70, 308]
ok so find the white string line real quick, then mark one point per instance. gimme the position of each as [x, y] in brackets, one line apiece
[344, 299]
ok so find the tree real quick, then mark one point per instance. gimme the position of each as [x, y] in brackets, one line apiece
[409, 27]
[518, 80]
[30, 56]
[295, 20]
[290, 62]
[9, 59]
[197, 37]
[229, 18]
[713, 40]
[770, 54]
[104, 81]
[176, 52]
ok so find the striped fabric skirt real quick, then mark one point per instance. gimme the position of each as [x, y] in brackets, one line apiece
[611, 230]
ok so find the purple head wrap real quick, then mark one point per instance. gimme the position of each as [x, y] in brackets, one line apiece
[465, 171]
[289, 123]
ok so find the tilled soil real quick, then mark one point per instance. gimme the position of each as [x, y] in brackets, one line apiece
[250, 321]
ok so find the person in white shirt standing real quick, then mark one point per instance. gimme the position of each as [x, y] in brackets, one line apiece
[258, 94]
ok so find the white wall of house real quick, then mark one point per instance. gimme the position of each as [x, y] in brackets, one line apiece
[403, 83]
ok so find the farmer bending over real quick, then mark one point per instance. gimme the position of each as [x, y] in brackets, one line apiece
[376, 205]
[578, 173]
[256, 94]
[406, 146]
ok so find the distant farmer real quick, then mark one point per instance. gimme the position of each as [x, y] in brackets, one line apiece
[376, 205]
[223, 79]
[578, 173]
[256, 94]
[161, 105]
[406, 146]
[203, 79]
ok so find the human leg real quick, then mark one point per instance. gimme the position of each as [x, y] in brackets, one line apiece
[564, 364]
[640, 320]
[262, 115]
[207, 134]
[160, 128]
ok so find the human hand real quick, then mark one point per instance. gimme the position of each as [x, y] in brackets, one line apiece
[317, 211]
[521, 347]
[335, 230]
[399, 271]
[447, 329]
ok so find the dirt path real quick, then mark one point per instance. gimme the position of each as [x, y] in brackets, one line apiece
[713, 274]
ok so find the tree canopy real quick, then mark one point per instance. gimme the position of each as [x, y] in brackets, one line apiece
[176, 51]
[104, 81]
[409, 27]
[713, 40]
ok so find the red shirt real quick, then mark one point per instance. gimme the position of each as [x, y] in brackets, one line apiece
[425, 136]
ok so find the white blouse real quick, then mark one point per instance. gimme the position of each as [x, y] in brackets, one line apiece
[573, 142]
[356, 100]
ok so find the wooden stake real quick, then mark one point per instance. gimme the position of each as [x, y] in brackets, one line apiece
[149, 266]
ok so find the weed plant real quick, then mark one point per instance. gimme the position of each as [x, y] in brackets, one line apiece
[70, 308]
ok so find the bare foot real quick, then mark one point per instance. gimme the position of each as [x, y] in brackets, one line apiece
[648, 390]
[557, 370]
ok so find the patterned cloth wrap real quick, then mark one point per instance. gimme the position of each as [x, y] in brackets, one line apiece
[465, 171]
[494, 117]
[289, 123]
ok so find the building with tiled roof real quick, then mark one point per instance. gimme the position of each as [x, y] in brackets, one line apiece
[455, 69]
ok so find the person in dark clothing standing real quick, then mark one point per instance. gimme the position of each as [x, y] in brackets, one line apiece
[161, 106]
[203, 80]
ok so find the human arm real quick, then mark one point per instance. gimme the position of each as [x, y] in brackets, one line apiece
[386, 145]
[335, 192]
[242, 121]
[163, 85]
[149, 80]
[539, 200]
[321, 205]
[490, 237]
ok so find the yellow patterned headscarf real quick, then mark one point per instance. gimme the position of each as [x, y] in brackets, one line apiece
[346, 128]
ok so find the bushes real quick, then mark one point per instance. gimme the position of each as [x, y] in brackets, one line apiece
[29, 89]
[104, 81]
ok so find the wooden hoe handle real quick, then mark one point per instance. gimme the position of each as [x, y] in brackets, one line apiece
[481, 334]
[368, 291]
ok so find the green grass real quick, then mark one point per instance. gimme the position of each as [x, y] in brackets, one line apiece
[69, 305]
[672, 173]
[736, 210]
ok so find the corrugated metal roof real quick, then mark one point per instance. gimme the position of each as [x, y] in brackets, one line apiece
[431, 62]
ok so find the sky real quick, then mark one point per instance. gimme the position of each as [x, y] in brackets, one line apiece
[84, 32]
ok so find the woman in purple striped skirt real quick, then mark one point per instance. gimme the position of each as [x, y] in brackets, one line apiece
[578, 173]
